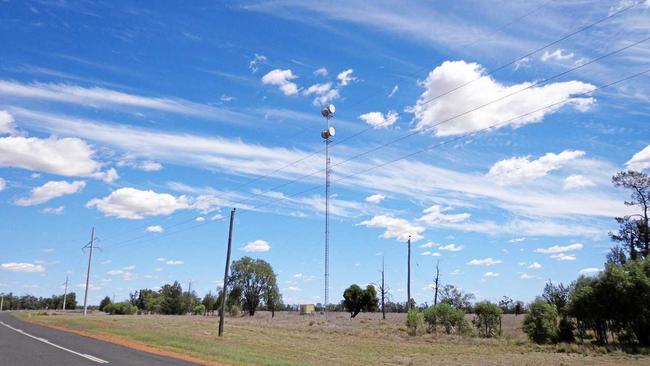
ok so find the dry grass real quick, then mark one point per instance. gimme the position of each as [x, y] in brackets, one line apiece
[291, 339]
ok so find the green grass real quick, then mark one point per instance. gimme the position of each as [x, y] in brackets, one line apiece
[290, 339]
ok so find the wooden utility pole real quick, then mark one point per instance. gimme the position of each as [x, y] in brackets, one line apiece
[65, 292]
[435, 298]
[225, 275]
[2, 301]
[408, 277]
[90, 260]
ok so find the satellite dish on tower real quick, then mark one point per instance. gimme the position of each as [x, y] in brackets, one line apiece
[328, 111]
[327, 133]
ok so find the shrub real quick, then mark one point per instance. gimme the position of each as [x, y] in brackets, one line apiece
[487, 319]
[566, 328]
[415, 322]
[235, 310]
[540, 324]
[445, 315]
[199, 309]
[120, 308]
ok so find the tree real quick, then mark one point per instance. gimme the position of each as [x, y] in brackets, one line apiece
[414, 322]
[487, 319]
[255, 277]
[506, 304]
[436, 281]
[634, 232]
[451, 295]
[105, 301]
[209, 301]
[272, 298]
[557, 295]
[445, 315]
[356, 299]
[172, 300]
[540, 324]
[384, 291]
[518, 308]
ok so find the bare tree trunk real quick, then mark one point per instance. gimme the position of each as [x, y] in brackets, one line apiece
[435, 298]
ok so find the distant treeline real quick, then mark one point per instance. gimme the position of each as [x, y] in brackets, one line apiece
[29, 302]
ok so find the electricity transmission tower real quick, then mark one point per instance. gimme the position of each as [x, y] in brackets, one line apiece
[90, 260]
[327, 134]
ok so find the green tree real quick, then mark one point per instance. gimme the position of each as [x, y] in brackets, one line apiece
[199, 309]
[105, 302]
[415, 322]
[272, 298]
[255, 277]
[540, 324]
[356, 299]
[445, 315]
[453, 296]
[210, 302]
[172, 300]
[634, 232]
[487, 319]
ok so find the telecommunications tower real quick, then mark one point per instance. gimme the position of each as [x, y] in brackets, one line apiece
[327, 134]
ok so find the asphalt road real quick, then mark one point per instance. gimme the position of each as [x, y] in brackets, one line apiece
[24, 344]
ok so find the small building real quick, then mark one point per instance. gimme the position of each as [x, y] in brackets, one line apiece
[306, 309]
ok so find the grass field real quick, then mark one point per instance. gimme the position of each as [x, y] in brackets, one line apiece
[291, 339]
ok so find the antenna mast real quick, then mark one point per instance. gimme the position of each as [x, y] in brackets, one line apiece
[327, 134]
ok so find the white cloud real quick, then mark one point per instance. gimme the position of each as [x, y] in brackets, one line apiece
[518, 170]
[146, 165]
[293, 288]
[429, 244]
[451, 248]
[564, 257]
[3, 184]
[435, 215]
[256, 246]
[253, 65]
[200, 219]
[557, 55]
[590, 271]
[560, 249]
[393, 91]
[91, 287]
[577, 181]
[526, 276]
[154, 229]
[535, 265]
[395, 228]
[131, 203]
[484, 262]
[378, 119]
[65, 156]
[346, 77]
[640, 160]
[115, 272]
[50, 190]
[174, 262]
[321, 72]
[22, 267]
[324, 93]
[453, 108]
[516, 240]
[375, 198]
[490, 274]
[430, 254]
[54, 210]
[522, 63]
[282, 79]
[6, 123]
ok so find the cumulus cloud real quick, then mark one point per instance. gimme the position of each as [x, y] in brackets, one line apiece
[451, 248]
[22, 267]
[641, 160]
[484, 262]
[395, 228]
[324, 93]
[50, 190]
[321, 72]
[564, 257]
[282, 79]
[590, 271]
[577, 181]
[535, 265]
[490, 274]
[145, 165]
[6, 123]
[132, 203]
[54, 210]
[518, 170]
[375, 198]
[481, 89]
[557, 55]
[435, 215]
[516, 240]
[346, 77]
[256, 246]
[430, 254]
[3, 184]
[253, 64]
[154, 229]
[560, 249]
[66, 156]
[378, 119]
[429, 244]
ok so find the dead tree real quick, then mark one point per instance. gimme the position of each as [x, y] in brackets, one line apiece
[383, 291]
[436, 281]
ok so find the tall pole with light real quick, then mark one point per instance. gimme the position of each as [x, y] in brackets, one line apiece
[327, 134]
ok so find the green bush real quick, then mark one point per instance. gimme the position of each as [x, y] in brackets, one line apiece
[199, 309]
[488, 319]
[415, 322]
[540, 324]
[235, 310]
[450, 318]
[120, 308]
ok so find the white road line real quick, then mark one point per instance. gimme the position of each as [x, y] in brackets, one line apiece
[86, 356]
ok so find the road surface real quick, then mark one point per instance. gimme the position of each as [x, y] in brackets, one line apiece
[24, 344]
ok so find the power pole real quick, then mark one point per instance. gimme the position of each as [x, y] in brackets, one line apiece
[90, 259]
[2, 301]
[65, 292]
[408, 277]
[225, 275]
[435, 298]
[189, 295]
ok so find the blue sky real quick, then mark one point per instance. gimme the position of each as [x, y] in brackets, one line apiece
[149, 121]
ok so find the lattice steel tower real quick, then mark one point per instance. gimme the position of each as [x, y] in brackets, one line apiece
[327, 134]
